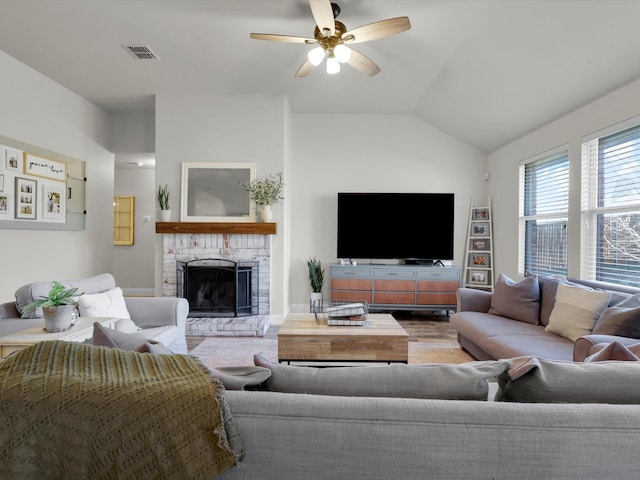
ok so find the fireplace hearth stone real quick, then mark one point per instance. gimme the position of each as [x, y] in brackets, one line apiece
[248, 326]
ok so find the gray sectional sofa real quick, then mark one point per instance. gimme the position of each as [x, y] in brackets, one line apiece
[382, 434]
[162, 319]
[517, 324]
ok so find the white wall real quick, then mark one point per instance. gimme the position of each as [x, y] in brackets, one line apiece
[611, 109]
[379, 153]
[133, 264]
[134, 140]
[40, 112]
[224, 128]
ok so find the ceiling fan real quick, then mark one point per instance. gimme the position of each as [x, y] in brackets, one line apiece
[332, 38]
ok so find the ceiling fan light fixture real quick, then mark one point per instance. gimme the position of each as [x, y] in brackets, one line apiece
[333, 65]
[342, 53]
[316, 56]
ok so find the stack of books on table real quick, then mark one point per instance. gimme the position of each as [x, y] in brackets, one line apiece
[350, 314]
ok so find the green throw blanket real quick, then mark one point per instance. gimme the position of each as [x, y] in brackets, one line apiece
[69, 410]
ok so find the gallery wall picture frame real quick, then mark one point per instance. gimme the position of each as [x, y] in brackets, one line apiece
[4, 204]
[53, 199]
[213, 192]
[44, 167]
[478, 277]
[480, 229]
[12, 160]
[1, 182]
[26, 198]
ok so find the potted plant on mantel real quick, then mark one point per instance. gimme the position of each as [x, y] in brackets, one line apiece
[58, 307]
[316, 279]
[265, 193]
[163, 200]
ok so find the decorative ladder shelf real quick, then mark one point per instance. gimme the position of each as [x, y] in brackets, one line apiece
[478, 261]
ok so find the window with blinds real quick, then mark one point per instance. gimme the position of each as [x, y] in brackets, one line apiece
[610, 232]
[544, 205]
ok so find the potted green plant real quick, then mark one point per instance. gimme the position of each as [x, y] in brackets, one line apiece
[163, 200]
[316, 279]
[265, 193]
[58, 307]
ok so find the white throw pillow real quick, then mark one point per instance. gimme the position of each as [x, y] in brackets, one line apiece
[127, 325]
[106, 304]
[576, 311]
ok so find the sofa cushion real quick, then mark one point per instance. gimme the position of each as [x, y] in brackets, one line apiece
[516, 300]
[534, 379]
[109, 337]
[622, 320]
[32, 291]
[601, 352]
[548, 290]
[105, 304]
[576, 311]
[502, 337]
[466, 381]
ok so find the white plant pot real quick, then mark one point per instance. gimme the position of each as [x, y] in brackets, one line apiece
[315, 302]
[165, 215]
[266, 214]
[58, 319]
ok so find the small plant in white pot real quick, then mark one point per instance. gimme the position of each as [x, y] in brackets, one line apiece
[265, 193]
[163, 200]
[58, 307]
[316, 279]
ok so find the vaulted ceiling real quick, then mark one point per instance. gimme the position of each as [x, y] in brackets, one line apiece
[484, 71]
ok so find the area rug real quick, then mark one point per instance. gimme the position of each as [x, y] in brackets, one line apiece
[430, 341]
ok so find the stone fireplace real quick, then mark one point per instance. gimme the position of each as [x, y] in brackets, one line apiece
[240, 248]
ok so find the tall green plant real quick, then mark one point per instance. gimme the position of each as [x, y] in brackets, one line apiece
[163, 197]
[316, 275]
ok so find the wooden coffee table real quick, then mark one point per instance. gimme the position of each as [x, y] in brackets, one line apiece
[380, 339]
[82, 330]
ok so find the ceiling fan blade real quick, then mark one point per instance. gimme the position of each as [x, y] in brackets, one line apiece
[306, 68]
[281, 38]
[375, 30]
[363, 64]
[323, 14]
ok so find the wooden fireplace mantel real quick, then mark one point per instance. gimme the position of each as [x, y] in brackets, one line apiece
[217, 227]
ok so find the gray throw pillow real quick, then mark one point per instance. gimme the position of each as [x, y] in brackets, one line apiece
[516, 300]
[532, 380]
[112, 338]
[622, 320]
[241, 378]
[467, 381]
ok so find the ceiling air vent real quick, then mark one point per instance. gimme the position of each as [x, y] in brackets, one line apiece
[142, 52]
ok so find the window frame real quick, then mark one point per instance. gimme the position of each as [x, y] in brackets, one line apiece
[558, 154]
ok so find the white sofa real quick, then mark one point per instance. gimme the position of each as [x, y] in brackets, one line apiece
[162, 319]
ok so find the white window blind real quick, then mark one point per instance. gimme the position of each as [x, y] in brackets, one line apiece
[544, 205]
[610, 232]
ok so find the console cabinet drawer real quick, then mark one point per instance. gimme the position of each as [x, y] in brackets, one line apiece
[351, 284]
[436, 298]
[437, 286]
[394, 285]
[350, 296]
[394, 298]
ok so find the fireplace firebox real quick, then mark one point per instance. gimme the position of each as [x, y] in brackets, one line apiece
[218, 287]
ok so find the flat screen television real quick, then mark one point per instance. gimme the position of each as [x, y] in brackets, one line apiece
[415, 227]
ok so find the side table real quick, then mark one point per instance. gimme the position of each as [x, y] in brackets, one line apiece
[82, 330]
